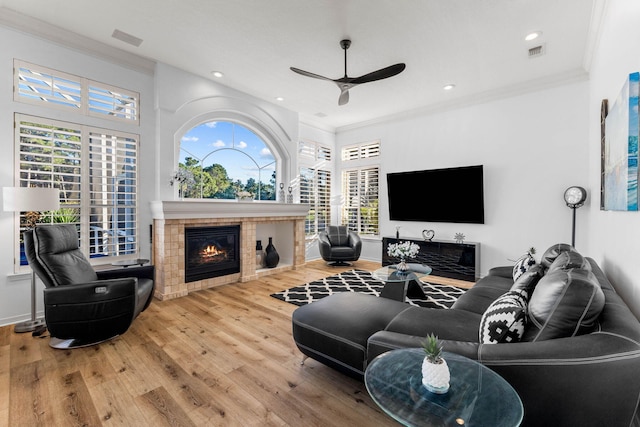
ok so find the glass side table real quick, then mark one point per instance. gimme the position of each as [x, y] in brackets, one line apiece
[477, 396]
[399, 285]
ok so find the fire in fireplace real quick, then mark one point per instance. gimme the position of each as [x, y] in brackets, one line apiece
[211, 252]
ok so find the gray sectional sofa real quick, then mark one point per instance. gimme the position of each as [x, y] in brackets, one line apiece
[573, 354]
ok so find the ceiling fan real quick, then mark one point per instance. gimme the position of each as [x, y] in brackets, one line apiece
[345, 83]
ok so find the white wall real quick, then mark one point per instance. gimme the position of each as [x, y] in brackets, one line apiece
[532, 146]
[614, 237]
[15, 295]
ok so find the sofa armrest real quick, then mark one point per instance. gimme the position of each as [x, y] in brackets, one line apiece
[502, 271]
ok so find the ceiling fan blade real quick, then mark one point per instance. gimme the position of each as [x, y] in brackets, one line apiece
[380, 74]
[308, 74]
[344, 97]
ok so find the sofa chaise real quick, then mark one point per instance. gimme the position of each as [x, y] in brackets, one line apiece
[571, 348]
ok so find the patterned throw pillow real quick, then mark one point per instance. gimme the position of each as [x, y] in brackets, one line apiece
[522, 265]
[504, 320]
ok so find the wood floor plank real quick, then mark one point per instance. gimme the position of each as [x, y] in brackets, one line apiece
[223, 356]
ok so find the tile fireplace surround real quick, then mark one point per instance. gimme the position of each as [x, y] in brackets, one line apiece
[282, 221]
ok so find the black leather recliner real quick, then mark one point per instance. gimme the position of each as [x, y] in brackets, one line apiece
[84, 307]
[338, 245]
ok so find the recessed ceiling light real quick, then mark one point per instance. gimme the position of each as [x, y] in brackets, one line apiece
[449, 86]
[217, 74]
[279, 98]
[532, 36]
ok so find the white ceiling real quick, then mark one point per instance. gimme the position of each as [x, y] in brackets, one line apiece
[476, 44]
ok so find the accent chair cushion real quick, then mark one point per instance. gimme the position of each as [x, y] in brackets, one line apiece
[338, 235]
[505, 319]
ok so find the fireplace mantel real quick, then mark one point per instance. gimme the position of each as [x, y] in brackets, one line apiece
[201, 208]
[257, 220]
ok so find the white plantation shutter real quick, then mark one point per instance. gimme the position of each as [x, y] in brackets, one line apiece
[360, 209]
[35, 84]
[360, 188]
[43, 85]
[96, 172]
[315, 185]
[113, 102]
[113, 193]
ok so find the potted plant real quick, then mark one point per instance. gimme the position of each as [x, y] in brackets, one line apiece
[435, 371]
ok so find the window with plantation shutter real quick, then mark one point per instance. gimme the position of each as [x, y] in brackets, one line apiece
[315, 185]
[361, 151]
[35, 84]
[96, 173]
[360, 208]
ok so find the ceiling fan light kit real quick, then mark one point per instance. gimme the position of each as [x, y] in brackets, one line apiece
[345, 83]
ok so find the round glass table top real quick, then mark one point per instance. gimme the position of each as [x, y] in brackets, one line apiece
[391, 274]
[477, 395]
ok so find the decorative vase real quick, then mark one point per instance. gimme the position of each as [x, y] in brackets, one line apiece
[271, 257]
[435, 376]
[259, 254]
[402, 267]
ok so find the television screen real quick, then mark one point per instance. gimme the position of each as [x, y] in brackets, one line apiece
[437, 195]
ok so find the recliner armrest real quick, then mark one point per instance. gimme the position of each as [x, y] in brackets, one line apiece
[143, 272]
[91, 291]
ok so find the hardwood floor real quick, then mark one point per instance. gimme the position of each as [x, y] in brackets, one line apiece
[222, 356]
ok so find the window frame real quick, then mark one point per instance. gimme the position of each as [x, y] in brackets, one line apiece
[84, 204]
[359, 160]
[316, 158]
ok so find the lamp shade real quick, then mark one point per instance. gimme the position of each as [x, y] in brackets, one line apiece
[30, 199]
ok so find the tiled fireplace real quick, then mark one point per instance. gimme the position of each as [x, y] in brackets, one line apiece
[253, 220]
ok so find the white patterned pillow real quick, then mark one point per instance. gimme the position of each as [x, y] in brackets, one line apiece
[523, 263]
[504, 320]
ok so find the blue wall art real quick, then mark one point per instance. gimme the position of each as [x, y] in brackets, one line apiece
[621, 149]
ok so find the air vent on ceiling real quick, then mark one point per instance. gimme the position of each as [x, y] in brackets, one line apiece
[537, 51]
[127, 38]
[320, 114]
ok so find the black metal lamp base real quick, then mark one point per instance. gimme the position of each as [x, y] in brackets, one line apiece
[28, 326]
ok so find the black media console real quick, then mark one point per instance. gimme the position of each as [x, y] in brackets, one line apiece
[446, 258]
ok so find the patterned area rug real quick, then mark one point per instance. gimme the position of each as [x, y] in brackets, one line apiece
[437, 296]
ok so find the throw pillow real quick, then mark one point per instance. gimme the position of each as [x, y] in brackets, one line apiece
[565, 303]
[552, 253]
[522, 264]
[569, 260]
[504, 320]
[529, 279]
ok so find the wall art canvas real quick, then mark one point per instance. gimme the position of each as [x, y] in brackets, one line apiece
[621, 149]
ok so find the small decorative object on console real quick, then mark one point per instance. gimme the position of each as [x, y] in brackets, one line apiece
[435, 371]
[281, 193]
[428, 234]
[459, 238]
[259, 254]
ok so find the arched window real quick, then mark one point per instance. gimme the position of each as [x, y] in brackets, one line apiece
[220, 159]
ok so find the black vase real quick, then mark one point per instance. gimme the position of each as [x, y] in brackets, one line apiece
[271, 257]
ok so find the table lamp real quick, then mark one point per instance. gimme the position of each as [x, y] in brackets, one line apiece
[33, 201]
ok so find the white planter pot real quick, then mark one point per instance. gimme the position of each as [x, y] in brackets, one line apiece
[435, 376]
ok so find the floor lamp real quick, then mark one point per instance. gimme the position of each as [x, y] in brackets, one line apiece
[33, 201]
[574, 197]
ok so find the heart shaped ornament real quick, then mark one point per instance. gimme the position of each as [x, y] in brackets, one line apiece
[428, 234]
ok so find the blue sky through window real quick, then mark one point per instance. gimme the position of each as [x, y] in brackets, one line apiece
[239, 150]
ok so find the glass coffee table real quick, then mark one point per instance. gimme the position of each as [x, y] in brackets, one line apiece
[399, 285]
[477, 396]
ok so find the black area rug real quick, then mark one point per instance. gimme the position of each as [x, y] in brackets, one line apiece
[437, 296]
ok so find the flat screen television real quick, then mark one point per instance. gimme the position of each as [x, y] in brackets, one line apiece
[437, 195]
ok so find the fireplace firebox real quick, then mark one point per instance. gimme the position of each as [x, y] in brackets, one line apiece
[211, 252]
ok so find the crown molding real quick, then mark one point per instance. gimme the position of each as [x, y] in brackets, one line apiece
[35, 27]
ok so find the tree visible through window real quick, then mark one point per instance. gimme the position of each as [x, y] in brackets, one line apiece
[219, 159]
